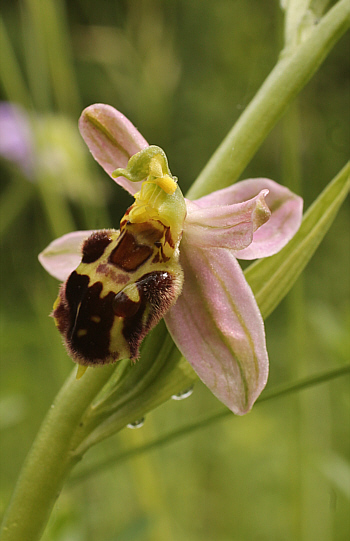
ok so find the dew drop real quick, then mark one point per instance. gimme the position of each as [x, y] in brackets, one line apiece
[137, 424]
[184, 394]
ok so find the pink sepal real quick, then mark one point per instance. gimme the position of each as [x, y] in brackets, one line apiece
[112, 140]
[63, 255]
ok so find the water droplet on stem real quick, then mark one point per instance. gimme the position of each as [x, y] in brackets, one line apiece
[184, 394]
[136, 424]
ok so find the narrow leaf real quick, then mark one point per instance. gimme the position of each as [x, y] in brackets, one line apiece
[278, 392]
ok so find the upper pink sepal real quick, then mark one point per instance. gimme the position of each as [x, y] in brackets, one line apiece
[286, 214]
[63, 255]
[226, 225]
[217, 326]
[112, 140]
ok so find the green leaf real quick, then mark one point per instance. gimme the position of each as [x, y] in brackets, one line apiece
[271, 278]
[277, 392]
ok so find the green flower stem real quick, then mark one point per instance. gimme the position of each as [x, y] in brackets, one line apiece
[80, 418]
[50, 459]
[289, 76]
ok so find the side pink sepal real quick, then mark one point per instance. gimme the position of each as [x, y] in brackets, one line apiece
[63, 255]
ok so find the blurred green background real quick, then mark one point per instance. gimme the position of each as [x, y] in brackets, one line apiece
[182, 71]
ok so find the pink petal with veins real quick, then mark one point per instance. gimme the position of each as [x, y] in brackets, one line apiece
[226, 226]
[217, 326]
[286, 214]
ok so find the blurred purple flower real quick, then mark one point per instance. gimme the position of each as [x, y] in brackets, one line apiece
[16, 137]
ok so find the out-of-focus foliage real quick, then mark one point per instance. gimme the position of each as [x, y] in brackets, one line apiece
[182, 72]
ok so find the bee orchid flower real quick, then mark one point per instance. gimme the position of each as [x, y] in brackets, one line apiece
[185, 271]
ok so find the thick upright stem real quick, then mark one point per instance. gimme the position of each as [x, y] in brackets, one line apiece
[288, 77]
[51, 458]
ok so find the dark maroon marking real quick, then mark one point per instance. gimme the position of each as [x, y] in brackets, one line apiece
[128, 254]
[81, 309]
[125, 220]
[95, 245]
[146, 231]
[154, 284]
[70, 295]
[79, 304]
[75, 290]
[165, 258]
[160, 257]
[169, 238]
[61, 313]
[123, 306]
[157, 291]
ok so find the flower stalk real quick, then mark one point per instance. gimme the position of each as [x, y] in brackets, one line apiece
[51, 458]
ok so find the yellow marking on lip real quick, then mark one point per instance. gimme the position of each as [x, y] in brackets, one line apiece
[55, 305]
[132, 292]
[81, 332]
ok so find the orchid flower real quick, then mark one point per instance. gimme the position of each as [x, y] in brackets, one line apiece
[213, 318]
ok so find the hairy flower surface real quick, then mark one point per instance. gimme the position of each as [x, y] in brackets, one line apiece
[213, 317]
